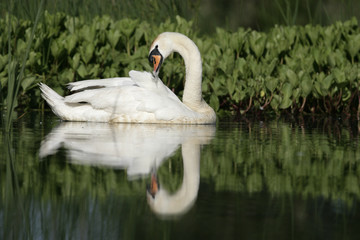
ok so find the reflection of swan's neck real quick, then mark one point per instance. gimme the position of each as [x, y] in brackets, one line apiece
[192, 96]
[184, 198]
[191, 178]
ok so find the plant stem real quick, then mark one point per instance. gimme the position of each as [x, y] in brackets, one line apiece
[14, 80]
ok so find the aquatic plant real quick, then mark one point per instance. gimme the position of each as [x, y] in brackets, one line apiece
[308, 69]
[16, 63]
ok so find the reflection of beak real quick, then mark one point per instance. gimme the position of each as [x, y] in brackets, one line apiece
[156, 59]
[154, 185]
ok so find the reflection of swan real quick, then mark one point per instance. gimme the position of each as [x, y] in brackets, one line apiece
[139, 148]
[142, 97]
[136, 147]
[164, 204]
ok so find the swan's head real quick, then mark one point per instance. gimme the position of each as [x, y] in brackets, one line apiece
[161, 48]
[156, 58]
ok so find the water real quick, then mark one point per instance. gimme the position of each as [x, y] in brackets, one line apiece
[237, 180]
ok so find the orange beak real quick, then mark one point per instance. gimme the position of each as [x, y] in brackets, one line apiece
[156, 59]
[156, 62]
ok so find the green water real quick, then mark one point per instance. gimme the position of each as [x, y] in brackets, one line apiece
[254, 179]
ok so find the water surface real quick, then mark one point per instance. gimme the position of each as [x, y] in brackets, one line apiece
[237, 180]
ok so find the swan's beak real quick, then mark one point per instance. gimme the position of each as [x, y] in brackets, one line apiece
[154, 185]
[156, 59]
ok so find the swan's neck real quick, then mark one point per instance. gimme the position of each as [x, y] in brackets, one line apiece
[192, 96]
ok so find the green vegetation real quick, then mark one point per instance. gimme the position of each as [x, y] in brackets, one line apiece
[293, 69]
[15, 71]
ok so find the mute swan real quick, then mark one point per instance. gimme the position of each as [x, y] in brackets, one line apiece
[142, 98]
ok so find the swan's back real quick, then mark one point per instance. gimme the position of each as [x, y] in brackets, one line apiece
[140, 98]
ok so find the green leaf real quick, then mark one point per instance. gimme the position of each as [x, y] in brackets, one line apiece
[26, 82]
[306, 85]
[3, 81]
[126, 26]
[339, 76]
[94, 71]
[257, 43]
[275, 102]
[285, 103]
[56, 48]
[70, 43]
[241, 66]
[292, 77]
[326, 83]
[3, 61]
[113, 36]
[271, 83]
[88, 33]
[287, 90]
[230, 83]
[214, 102]
[87, 51]
[353, 45]
[318, 89]
[34, 58]
[20, 48]
[75, 61]
[82, 71]
[110, 72]
[66, 76]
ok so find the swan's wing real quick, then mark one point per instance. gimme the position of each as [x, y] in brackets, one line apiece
[98, 83]
[154, 84]
[133, 101]
[143, 95]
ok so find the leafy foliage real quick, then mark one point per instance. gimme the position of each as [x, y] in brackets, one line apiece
[293, 69]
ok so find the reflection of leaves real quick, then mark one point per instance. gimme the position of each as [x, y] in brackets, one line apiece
[282, 165]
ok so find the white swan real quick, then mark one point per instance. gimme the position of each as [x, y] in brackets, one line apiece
[142, 98]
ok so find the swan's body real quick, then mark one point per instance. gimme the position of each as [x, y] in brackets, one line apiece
[141, 98]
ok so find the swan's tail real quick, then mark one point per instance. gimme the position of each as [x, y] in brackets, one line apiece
[55, 101]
